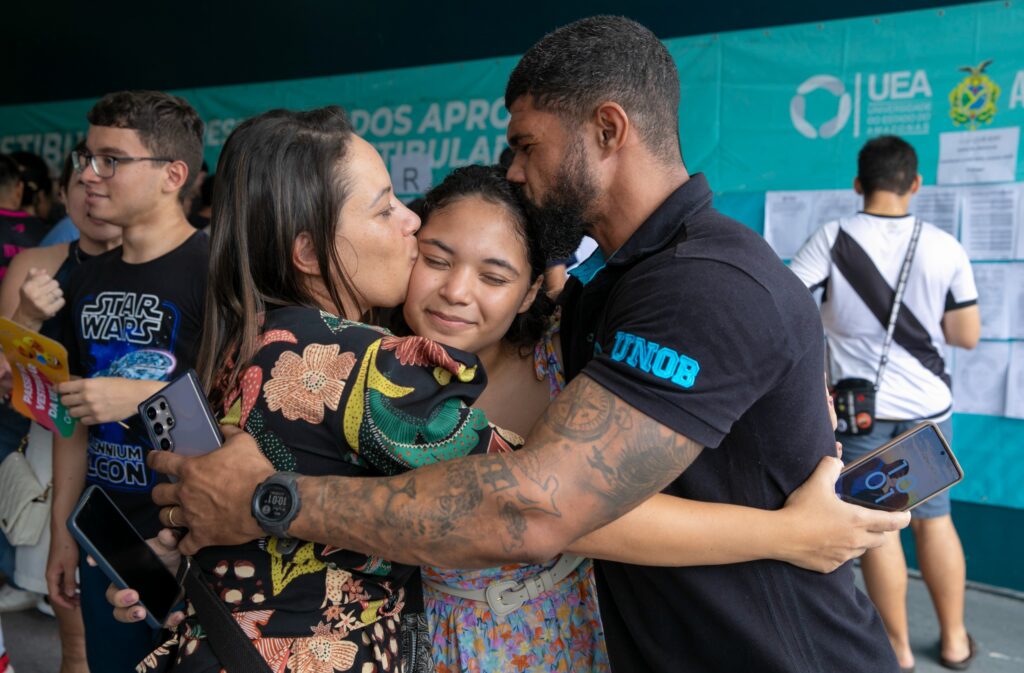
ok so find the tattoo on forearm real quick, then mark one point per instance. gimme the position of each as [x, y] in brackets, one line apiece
[582, 417]
[497, 475]
[633, 457]
[464, 495]
[591, 459]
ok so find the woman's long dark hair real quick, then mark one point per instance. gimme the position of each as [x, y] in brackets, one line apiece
[280, 174]
[489, 183]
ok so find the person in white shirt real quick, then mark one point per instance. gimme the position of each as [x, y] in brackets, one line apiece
[858, 261]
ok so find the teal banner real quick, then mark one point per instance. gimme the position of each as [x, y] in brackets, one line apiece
[788, 108]
[761, 110]
[424, 121]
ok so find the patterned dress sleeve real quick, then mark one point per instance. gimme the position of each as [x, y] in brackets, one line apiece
[389, 403]
[407, 404]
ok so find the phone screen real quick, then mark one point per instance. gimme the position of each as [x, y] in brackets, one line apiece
[901, 474]
[116, 543]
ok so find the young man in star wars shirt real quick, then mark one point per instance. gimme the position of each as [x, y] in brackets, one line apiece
[134, 324]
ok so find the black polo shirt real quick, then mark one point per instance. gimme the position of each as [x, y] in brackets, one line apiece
[699, 325]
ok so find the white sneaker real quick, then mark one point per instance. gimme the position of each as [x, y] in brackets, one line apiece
[13, 600]
[43, 605]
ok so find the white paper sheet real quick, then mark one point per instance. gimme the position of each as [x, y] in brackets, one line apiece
[1015, 381]
[1019, 252]
[979, 379]
[940, 206]
[1016, 292]
[995, 297]
[791, 217]
[989, 221]
[974, 157]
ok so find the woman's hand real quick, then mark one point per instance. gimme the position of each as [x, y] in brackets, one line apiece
[826, 532]
[105, 399]
[40, 297]
[61, 566]
[126, 604]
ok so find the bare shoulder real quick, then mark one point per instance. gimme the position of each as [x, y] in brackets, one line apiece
[514, 397]
[49, 258]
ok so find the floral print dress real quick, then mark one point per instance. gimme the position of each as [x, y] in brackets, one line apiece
[557, 631]
[324, 395]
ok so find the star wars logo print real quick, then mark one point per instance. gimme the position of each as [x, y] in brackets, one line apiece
[126, 316]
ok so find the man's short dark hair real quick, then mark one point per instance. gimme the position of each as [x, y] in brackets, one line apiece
[887, 164]
[167, 125]
[10, 173]
[604, 58]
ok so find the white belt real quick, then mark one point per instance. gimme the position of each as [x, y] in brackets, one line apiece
[505, 596]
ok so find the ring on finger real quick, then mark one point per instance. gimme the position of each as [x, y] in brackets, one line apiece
[170, 517]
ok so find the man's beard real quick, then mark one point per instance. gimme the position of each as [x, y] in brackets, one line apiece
[561, 219]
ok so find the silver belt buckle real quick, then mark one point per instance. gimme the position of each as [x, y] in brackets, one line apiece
[496, 600]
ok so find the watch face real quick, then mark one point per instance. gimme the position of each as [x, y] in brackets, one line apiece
[275, 502]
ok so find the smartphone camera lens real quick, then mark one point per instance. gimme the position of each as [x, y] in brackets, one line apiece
[163, 406]
[158, 429]
[151, 413]
[170, 421]
[165, 444]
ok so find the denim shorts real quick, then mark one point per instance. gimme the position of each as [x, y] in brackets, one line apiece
[856, 446]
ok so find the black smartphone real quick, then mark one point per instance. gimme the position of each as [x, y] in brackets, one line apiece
[903, 473]
[178, 418]
[105, 533]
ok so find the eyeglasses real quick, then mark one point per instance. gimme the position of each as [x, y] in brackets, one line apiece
[105, 165]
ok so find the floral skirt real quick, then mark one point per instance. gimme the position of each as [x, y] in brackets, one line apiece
[558, 631]
[372, 649]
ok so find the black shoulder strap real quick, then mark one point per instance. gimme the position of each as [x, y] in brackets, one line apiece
[897, 301]
[225, 637]
[864, 278]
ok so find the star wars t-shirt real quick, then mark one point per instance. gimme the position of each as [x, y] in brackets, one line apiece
[135, 321]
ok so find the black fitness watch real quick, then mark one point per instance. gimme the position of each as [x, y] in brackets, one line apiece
[276, 503]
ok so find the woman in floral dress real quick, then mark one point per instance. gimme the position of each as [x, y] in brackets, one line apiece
[309, 236]
[476, 286]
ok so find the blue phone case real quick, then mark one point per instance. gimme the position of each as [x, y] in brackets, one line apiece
[104, 565]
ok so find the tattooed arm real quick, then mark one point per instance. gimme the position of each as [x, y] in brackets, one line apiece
[591, 458]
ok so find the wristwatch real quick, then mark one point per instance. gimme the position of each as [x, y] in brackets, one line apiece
[276, 503]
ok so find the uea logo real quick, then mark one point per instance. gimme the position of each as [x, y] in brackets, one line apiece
[897, 102]
[798, 107]
[659, 360]
[973, 100]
